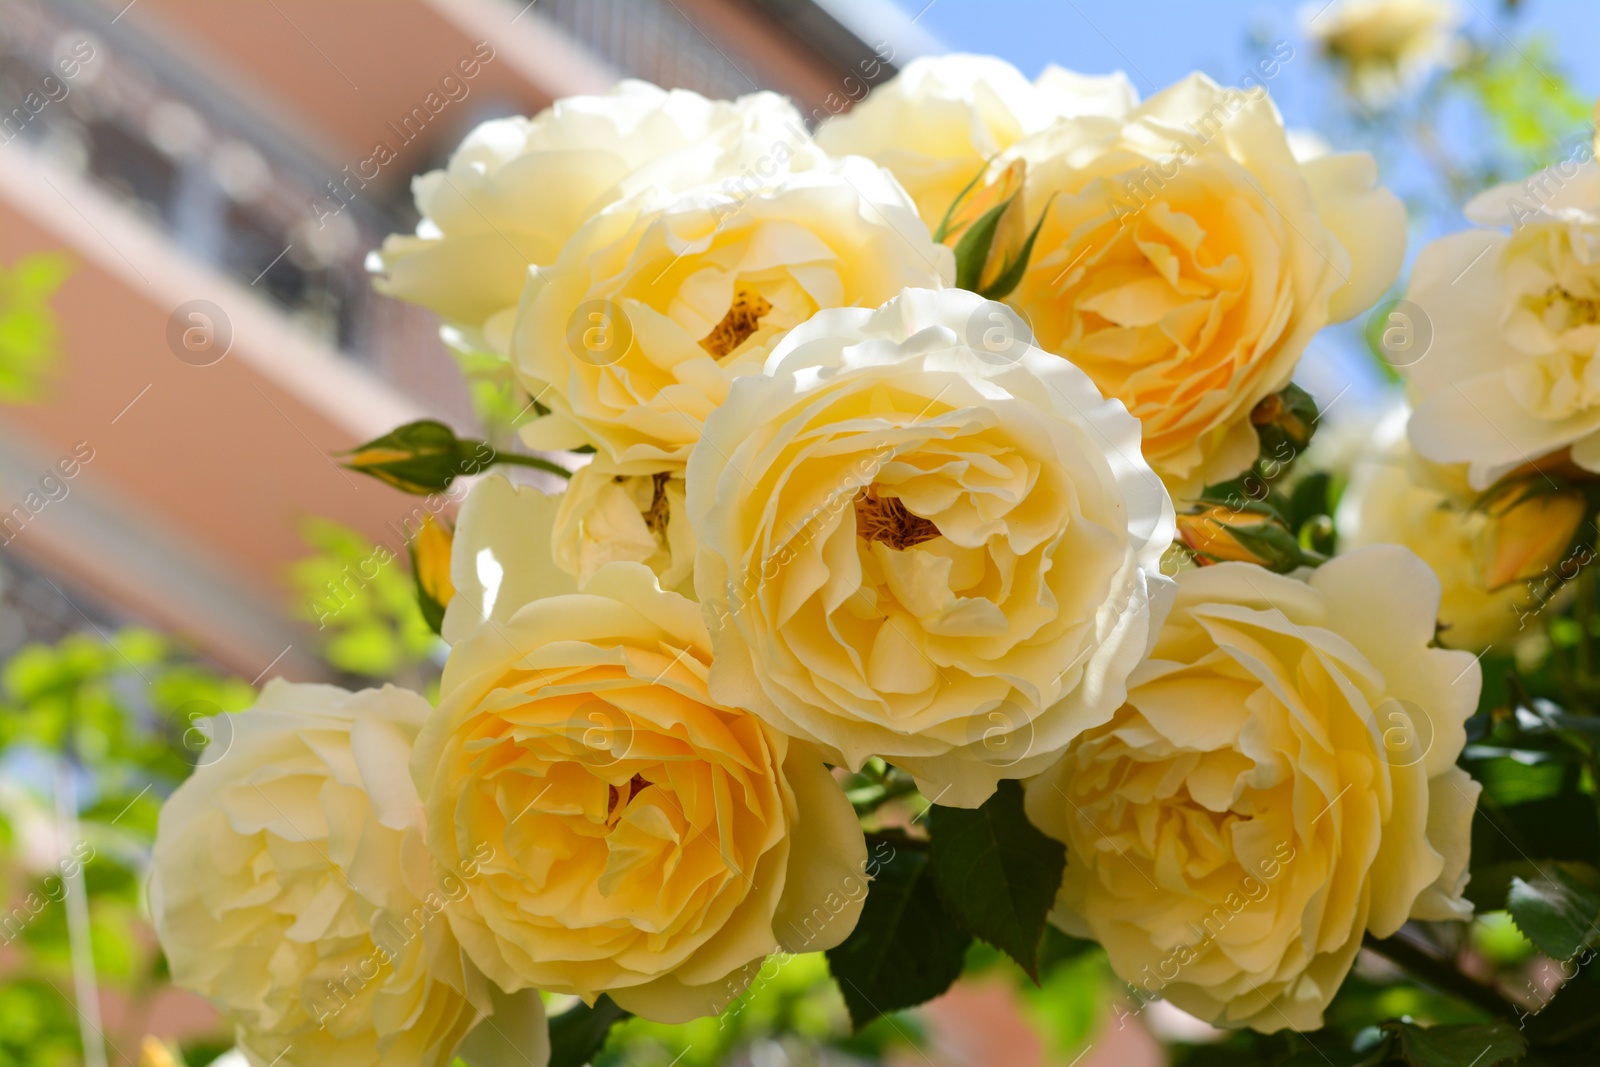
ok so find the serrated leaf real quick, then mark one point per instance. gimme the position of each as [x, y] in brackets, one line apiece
[580, 1032]
[1490, 1045]
[1557, 912]
[906, 949]
[997, 873]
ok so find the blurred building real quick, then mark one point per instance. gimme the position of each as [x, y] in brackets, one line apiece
[195, 158]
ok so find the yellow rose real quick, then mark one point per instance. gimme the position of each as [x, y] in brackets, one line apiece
[502, 556]
[517, 189]
[293, 888]
[1281, 780]
[633, 335]
[1510, 376]
[1482, 558]
[613, 513]
[645, 840]
[1187, 259]
[1385, 45]
[924, 539]
[941, 119]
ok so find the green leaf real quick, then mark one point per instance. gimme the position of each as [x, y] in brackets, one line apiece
[1456, 1046]
[972, 250]
[1558, 913]
[943, 229]
[997, 873]
[906, 948]
[578, 1033]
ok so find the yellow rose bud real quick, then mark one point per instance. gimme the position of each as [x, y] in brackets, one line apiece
[988, 229]
[1216, 533]
[430, 566]
[1526, 537]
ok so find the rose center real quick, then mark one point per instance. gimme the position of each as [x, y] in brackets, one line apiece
[1571, 310]
[617, 800]
[886, 519]
[742, 320]
[655, 519]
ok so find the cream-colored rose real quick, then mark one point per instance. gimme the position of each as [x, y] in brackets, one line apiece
[644, 840]
[923, 539]
[1385, 45]
[634, 334]
[610, 513]
[502, 556]
[1483, 557]
[1512, 373]
[1187, 259]
[517, 189]
[293, 888]
[937, 122]
[1281, 780]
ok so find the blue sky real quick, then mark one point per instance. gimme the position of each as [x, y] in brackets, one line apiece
[1158, 41]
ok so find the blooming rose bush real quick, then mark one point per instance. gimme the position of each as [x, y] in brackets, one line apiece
[915, 547]
[842, 545]
[1281, 780]
[293, 888]
[1186, 260]
[643, 839]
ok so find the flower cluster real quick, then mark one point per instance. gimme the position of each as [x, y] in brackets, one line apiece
[887, 436]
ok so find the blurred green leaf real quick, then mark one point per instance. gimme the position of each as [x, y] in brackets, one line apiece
[29, 329]
[363, 601]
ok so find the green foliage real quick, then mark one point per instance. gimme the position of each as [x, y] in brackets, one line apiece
[579, 1032]
[790, 1004]
[996, 873]
[363, 601]
[29, 329]
[1531, 103]
[906, 948]
[123, 713]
